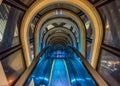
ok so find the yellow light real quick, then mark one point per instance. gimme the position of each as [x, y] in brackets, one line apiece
[107, 25]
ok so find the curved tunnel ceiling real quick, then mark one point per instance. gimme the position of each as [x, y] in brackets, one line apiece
[55, 36]
[43, 7]
[76, 21]
[61, 22]
[61, 30]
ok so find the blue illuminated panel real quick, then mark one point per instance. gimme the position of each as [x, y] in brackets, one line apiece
[59, 75]
[57, 68]
[57, 54]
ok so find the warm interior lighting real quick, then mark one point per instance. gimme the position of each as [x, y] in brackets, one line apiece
[87, 24]
[32, 26]
[67, 26]
[107, 25]
[10, 81]
[50, 26]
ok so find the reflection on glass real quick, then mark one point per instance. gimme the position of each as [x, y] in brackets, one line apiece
[88, 26]
[89, 51]
[109, 68]
[3, 19]
[50, 26]
[110, 14]
[68, 26]
[13, 66]
[9, 25]
[32, 51]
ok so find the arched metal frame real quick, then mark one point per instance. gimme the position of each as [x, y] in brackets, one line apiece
[51, 37]
[85, 5]
[58, 42]
[63, 29]
[58, 35]
[59, 20]
[61, 40]
[64, 13]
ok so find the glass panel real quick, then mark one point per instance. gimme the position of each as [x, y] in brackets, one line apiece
[110, 14]
[109, 68]
[68, 26]
[89, 51]
[13, 66]
[32, 51]
[31, 36]
[88, 26]
[32, 27]
[10, 19]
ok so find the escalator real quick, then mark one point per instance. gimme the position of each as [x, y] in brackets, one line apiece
[59, 67]
[59, 74]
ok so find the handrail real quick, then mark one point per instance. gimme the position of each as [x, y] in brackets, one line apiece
[28, 71]
[98, 79]
[5, 53]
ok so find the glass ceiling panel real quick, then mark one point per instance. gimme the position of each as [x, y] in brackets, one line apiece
[50, 26]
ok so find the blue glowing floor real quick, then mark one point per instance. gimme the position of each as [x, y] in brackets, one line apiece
[59, 74]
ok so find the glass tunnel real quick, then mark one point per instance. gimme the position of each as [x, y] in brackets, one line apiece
[59, 42]
[60, 66]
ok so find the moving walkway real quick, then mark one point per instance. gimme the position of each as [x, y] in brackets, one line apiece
[60, 67]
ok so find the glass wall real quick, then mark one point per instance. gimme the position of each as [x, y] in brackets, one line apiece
[89, 45]
[13, 66]
[90, 35]
[88, 25]
[109, 68]
[110, 14]
[109, 64]
[10, 19]
[31, 37]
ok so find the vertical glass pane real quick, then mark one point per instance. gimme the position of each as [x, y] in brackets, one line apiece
[111, 19]
[32, 51]
[89, 51]
[4, 12]
[10, 19]
[109, 68]
[88, 25]
[13, 66]
[32, 27]
[31, 36]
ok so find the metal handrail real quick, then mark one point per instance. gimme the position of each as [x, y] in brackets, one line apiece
[98, 79]
[28, 71]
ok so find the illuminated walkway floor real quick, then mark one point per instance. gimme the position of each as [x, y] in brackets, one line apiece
[59, 74]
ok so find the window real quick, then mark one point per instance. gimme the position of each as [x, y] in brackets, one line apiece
[111, 19]
[13, 66]
[109, 68]
[9, 26]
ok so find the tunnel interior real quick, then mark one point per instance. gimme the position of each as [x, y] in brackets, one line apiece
[59, 42]
[60, 66]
